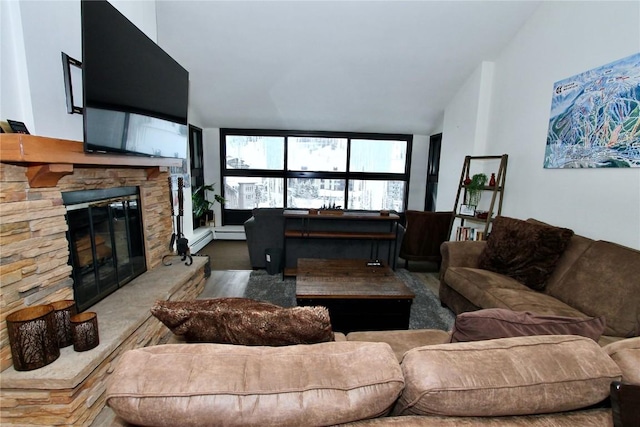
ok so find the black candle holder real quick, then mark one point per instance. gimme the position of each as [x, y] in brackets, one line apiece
[63, 311]
[84, 330]
[32, 337]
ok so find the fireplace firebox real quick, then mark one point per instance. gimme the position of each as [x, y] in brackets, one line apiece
[105, 241]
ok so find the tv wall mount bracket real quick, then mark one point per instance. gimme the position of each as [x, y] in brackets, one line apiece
[67, 63]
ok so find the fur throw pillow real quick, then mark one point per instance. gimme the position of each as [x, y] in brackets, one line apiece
[244, 321]
[525, 251]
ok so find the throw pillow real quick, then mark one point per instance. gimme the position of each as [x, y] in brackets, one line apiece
[495, 323]
[525, 251]
[244, 321]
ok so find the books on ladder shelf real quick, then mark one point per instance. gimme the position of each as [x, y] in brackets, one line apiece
[470, 233]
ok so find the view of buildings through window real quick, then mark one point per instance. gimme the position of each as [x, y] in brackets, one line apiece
[288, 170]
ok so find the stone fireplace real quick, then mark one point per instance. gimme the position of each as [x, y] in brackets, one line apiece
[36, 176]
[35, 250]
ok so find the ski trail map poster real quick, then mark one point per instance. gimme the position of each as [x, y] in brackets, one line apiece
[595, 118]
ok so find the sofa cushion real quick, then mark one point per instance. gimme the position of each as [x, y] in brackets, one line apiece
[526, 251]
[486, 289]
[473, 283]
[244, 321]
[508, 376]
[502, 323]
[599, 417]
[402, 340]
[574, 250]
[626, 353]
[311, 385]
[604, 282]
[533, 301]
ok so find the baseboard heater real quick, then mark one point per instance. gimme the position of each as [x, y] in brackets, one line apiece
[200, 241]
[229, 233]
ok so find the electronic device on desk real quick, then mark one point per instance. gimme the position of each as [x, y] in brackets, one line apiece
[18, 127]
[13, 126]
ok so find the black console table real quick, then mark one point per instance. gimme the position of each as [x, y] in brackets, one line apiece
[322, 231]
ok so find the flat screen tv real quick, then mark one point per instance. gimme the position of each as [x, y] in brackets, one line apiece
[135, 95]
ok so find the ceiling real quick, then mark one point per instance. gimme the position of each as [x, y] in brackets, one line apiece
[358, 66]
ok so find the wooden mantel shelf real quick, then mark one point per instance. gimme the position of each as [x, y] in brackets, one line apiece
[49, 159]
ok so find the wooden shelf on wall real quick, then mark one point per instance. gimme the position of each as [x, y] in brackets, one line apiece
[49, 159]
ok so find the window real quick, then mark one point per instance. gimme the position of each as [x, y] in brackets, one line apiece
[195, 154]
[292, 169]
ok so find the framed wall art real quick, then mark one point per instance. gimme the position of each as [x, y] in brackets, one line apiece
[595, 118]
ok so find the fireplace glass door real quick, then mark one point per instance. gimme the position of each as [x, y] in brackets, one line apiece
[107, 250]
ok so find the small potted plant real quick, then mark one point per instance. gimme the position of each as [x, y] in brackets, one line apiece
[474, 189]
[201, 205]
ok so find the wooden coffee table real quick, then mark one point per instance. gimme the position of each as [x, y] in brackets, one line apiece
[359, 297]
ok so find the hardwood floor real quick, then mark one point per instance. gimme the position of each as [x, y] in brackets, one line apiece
[232, 283]
[226, 283]
[232, 268]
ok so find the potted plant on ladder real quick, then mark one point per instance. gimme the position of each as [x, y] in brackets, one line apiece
[474, 189]
[202, 212]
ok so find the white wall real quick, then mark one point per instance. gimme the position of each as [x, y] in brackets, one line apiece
[418, 184]
[141, 13]
[464, 132]
[34, 33]
[561, 39]
[211, 160]
[15, 98]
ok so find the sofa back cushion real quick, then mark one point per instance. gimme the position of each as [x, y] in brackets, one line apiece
[525, 251]
[626, 353]
[303, 385]
[267, 212]
[495, 323]
[577, 245]
[605, 281]
[508, 376]
[269, 224]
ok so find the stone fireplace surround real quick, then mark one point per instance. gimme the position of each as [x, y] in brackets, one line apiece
[34, 171]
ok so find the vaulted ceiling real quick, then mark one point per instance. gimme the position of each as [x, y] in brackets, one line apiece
[362, 66]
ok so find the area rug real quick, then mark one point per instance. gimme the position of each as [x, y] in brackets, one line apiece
[426, 312]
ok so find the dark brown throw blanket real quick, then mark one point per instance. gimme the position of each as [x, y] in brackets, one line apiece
[244, 321]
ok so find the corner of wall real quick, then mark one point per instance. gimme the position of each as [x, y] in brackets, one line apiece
[15, 102]
[483, 115]
[465, 130]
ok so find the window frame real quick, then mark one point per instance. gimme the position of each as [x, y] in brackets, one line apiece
[238, 216]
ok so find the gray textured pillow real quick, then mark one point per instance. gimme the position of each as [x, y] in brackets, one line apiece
[244, 321]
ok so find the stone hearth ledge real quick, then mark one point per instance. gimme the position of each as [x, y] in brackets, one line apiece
[119, 315]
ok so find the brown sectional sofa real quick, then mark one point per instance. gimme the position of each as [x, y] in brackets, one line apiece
[549, 380]
[592, 278]
[414, 377]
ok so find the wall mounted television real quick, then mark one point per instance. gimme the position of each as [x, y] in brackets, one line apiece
[135, 95]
